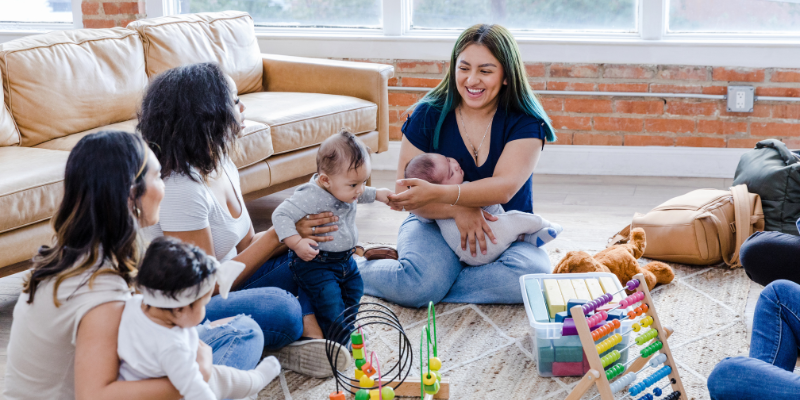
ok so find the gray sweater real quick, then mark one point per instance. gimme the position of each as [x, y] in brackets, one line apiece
[310, 198]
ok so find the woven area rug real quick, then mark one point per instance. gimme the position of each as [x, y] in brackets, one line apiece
[487, 354]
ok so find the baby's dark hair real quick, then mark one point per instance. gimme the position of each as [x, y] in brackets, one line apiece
[341, 149]
[171, 266]
[422, 167]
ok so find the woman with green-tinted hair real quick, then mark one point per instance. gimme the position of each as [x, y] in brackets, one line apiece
[484, 116]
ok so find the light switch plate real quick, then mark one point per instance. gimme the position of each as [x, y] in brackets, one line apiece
[740, 98]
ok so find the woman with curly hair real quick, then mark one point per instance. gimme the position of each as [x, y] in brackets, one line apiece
[191, 116]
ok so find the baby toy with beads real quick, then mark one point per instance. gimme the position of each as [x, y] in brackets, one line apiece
[600, 355]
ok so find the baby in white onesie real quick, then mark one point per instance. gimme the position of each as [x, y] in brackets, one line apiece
[157, 335]
[510, 225]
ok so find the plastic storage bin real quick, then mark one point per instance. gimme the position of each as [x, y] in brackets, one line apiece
[558, 355]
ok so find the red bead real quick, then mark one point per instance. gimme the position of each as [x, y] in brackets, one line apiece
[645, 307]
[631, 315]
[338, 396]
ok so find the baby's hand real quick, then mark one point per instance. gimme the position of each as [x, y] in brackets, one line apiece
[382, 195]
[306, 249]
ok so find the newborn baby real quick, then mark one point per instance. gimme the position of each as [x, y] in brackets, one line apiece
[436, 168]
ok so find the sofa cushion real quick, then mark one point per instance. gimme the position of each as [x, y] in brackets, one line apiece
[66, 143]
[227, 38]
[32, 185]
[299, 120]
[8, 130]
[66, 82]
[254, 145]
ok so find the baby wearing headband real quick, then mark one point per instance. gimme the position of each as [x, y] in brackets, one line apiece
[157, 335]
[510, 225]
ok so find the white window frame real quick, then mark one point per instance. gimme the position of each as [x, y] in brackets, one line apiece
[748, 37]
[25, 28]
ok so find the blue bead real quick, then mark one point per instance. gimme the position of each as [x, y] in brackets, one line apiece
[657, 391]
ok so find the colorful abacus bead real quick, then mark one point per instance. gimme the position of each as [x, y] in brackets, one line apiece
[338, 395]
[636, 327]
[644, 307]
[362, 394]
[673, 396]
[614, 371]
[646, 337]
[358, 354]
[657, 392]
[632, 284]
[434, 364]
[647, 396]
[610, 358]
[366, 382]
[646, 321]
[657, 360]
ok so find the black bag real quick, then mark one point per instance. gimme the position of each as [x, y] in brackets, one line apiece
[773, 172]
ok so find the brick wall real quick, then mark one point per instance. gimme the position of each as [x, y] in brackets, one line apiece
[638, 121]
[111, 13]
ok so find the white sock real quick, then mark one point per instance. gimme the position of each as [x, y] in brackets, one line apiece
[232, 383]
[544, 235]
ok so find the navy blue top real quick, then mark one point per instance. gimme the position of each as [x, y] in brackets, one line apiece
[506, 127]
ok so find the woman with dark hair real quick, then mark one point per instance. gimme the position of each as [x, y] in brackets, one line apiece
[191, 117]
[63, 342]
[484, 115]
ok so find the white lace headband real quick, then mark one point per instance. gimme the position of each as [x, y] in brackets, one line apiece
[224, 276]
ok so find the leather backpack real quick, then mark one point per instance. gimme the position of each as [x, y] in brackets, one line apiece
[702, 227]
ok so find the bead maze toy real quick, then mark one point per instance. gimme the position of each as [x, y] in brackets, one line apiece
[363, 385]
[663, 363]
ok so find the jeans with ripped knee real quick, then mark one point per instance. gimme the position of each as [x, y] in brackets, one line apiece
[236, 344]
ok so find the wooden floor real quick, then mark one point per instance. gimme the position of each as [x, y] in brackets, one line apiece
[590, 208]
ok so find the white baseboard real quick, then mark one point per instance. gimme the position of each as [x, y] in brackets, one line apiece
[696, 162]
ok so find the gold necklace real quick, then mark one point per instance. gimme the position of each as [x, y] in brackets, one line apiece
[474, 150]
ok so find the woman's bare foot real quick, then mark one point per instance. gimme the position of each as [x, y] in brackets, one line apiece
[311, 328]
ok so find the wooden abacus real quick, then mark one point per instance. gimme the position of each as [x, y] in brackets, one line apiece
[601, 377]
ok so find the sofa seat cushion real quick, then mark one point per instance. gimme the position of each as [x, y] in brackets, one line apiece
[32, 185]
[66, 143]
[254, 145]
[300, 120]
[66, 82]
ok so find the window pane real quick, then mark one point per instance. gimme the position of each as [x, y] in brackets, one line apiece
[303, 13]
[734, 16]
[36, 11]
[534, 15]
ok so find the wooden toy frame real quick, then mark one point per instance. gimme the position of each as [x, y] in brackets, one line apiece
[596, 375]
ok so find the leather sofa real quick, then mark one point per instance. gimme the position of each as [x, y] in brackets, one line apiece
[60, 86]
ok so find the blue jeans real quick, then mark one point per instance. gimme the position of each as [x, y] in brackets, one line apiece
[768, 256]
[767, 373]
[268, 296]
[237, 344]
[333, 284]
[428, 270]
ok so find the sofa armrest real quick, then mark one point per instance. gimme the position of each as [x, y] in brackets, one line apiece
[314, 75]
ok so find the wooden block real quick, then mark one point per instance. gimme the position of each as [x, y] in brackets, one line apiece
[411, 388]
[595, 290]
[536, 301]
[609, 286]
[581, 291]
[567, 291]
[555, 301]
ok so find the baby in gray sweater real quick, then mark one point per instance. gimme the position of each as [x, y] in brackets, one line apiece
[326, 271]
[510, 225]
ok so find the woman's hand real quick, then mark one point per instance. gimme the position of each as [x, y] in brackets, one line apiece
[204, 359]
[473, 227]
[311, 226]
[419, 194]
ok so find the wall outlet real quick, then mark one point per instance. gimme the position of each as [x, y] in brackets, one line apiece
[740, 98]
